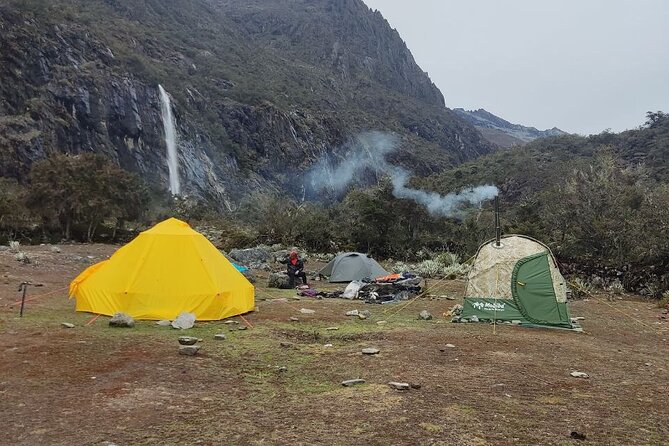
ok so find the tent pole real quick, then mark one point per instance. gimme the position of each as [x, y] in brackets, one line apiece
[498, 230]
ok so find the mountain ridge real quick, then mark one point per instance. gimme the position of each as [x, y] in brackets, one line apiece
[503, 132]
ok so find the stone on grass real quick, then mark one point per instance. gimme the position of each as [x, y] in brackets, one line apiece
[352, 313]
[55, 249]
[415, 385]
[370, 351]
[121, 320]
[365, 313]
[474, 318]
[242, 327]
[219, 336]
[399, 386]
[332, 328]
[362, 316]
[67, 325]
[381, 322]
[164, 323]
[230, 321]
[583, 375]
[306, 311]
[352, 382]
[294, 319]
[184, 321]
[425, 315]
[327, 345]
[187, 340]
[189, 350]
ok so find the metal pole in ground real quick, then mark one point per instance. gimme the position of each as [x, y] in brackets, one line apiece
[24, 288]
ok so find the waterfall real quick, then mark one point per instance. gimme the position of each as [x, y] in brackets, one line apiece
[170, 140]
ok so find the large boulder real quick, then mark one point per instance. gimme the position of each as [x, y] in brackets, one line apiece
[252, 257]
[250, 276]
[278, 280]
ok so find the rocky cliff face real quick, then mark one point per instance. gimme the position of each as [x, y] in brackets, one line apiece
[260, 89]
[501, 131]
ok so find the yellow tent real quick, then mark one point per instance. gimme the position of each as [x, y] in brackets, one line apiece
[166, 270]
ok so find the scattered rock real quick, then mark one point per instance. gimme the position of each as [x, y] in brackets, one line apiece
[352, 382]
[121, 320]
[327, 345]
[370, 351]
[55, 249]
[361, 316]
[425, 315]
[579, 375]
[415, 385]
[381, 322]
[306, 311]
[189, 350]
[365, 313]
[230, 321]
[474, 318]
[285, 344]
[332, 328]
[219, 336]
[447, 346]
[399, 386]
[184, 321]
[352, 313]
[577, 436]
[576, 319]
[242, 327]
[67, 325]
[187, 340]
[282, 369]
[516, 322]
[164, 323]
[648, 364]
[294, 319]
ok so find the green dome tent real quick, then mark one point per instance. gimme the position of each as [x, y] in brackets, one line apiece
[518, 280]
[351, 266]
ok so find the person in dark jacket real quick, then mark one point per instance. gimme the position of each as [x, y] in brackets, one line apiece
[295, 268]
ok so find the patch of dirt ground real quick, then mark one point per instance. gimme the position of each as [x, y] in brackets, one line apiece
[277, 383]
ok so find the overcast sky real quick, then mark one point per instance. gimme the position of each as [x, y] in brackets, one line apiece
[581, 65]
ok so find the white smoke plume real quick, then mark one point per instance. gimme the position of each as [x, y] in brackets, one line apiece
[367, 153]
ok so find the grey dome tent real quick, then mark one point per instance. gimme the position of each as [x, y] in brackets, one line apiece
[517, 280]
[352, 266]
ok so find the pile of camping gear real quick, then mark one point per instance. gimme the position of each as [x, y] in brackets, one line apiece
[368, 280]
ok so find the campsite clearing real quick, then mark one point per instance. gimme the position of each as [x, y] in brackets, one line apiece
[277, 383]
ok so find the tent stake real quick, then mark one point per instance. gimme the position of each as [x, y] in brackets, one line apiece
[23, 287]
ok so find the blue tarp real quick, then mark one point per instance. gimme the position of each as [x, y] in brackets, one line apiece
[240, 268]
